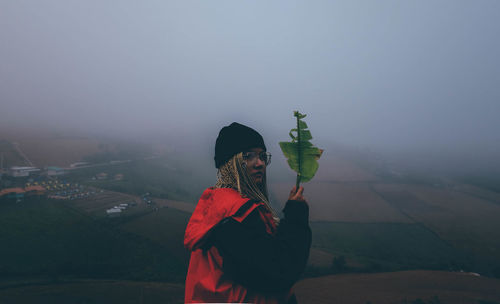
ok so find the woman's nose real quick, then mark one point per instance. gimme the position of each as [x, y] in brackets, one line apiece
[259, 162]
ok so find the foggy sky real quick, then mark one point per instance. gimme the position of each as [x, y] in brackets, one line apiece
[387, 75]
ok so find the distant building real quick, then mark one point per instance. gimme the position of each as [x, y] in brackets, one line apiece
[115, 162]
[102, 175]
[79, 164]
[119, 177]
[22, 171]
[114, 212]
[54, 171]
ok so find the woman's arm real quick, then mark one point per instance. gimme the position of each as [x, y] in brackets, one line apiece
[260, 261]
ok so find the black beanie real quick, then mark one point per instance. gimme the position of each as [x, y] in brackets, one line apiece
[233, 139]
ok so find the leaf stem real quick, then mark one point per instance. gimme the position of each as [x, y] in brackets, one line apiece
[297, 182]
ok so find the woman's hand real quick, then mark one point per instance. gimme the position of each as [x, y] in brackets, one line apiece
[297, 195]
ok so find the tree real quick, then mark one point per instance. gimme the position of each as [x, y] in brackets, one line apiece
[339, 263]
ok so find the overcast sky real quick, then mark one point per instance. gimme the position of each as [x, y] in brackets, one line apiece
[389, 75]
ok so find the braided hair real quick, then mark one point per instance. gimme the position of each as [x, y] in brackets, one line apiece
[233, 174]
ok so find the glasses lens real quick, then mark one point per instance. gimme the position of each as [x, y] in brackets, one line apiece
[263, 156]
[250, 156]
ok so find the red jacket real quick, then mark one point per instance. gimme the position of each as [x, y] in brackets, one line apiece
[206, 280]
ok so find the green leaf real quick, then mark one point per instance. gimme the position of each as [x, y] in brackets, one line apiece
[302, 125]
[301, 155]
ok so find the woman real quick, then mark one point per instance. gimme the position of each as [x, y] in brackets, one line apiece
[240, 250]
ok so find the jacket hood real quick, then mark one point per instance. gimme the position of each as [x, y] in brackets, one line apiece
[215, 204]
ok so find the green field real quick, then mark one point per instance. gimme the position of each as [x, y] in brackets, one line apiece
[386, 246]
[165, 226]
[49, 239]
[469, 223]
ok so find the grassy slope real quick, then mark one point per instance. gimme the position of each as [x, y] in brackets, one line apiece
[165, 226]
[470, 224]
[385, 246]
[47, 238]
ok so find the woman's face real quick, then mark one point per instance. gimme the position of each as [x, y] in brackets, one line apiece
[256, 168]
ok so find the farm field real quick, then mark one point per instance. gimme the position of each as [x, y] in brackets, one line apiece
[344, 202]
[182, 206]
[337, 169]
[384, 246]
[399, 287]
[467, 222]
[478, 192]
[459, 204]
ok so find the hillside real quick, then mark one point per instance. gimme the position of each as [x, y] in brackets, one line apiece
[399, 287]
[406, 287]
[363, 220]
[55, 240]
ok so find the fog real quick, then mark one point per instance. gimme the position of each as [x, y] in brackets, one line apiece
[417, 79]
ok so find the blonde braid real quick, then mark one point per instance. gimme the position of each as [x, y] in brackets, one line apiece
[233, 174]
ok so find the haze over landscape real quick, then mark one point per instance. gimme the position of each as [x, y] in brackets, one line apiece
[403, 96]
[392, 76]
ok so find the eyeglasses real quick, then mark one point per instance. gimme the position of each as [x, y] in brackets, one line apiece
[263, 156]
